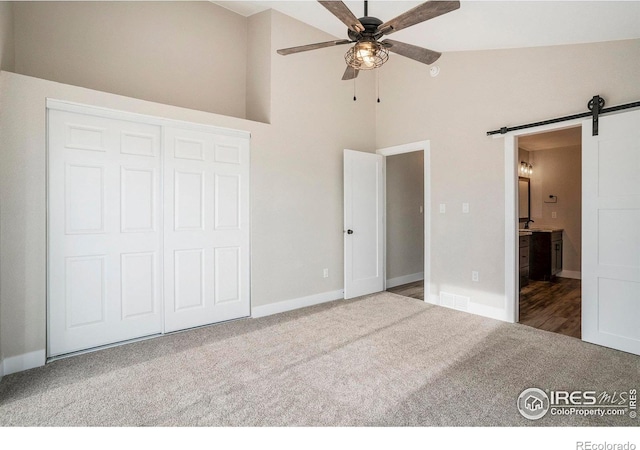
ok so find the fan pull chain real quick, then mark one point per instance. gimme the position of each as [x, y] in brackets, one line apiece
[354, 90]
[378, 84]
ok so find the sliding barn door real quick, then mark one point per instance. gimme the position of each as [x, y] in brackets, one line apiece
[611, 232]
[206, 242]
[104, 231]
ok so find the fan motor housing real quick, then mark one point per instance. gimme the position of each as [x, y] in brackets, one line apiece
[370, 25]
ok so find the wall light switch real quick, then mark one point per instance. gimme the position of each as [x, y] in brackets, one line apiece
[465, 208]
[325, 273]
[554, 215]
[443, 208]
[420, 209]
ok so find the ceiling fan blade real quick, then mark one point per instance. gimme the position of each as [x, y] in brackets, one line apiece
[340, 10]
[414, 52]
[305, 48]
[420, 13]
[350, 73]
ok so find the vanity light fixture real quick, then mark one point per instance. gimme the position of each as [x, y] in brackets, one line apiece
[526, 169]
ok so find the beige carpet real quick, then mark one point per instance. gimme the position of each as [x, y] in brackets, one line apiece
[379, 360]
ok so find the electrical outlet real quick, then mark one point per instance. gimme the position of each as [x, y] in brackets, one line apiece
[554, 215]
[325, 273]
[475, 276]
[443, 208]
[465, 208]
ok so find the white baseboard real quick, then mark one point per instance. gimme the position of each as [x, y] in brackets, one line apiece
[25, 361]
[478, 309]
[296, 303]
[432, 299]
[570, 274]
[488, 311]
[399, 281]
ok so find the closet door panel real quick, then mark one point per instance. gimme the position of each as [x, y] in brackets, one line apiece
[206, 185]
[104, 258]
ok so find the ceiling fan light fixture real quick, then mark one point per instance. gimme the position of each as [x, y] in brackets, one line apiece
[367, 55]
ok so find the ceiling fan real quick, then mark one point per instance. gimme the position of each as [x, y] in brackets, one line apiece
[369, 52]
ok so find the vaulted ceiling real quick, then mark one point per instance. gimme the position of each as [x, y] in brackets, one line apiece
[479, 24]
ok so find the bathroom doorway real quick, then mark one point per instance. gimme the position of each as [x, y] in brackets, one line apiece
[549, 225]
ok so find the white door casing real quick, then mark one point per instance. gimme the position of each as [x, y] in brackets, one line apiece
[104, 235]
[206, 239]
[363, 223]
[425, 147]
[611, 232]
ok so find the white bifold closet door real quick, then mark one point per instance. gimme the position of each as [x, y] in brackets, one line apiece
[206, 241]
[148, 227]
[105, 231]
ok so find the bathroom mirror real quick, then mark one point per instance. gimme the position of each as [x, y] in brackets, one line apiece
[524, 199]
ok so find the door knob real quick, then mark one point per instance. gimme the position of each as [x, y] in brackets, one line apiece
[349, 231]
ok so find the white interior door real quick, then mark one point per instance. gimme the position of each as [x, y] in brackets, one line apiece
[611, 233]
[206, 239]
[104, 231]
[363, 223]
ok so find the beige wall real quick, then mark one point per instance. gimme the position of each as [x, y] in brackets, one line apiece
[559, 172]
[6, 36]
[259, 56]
[405, 220]
[315, 118]
[296, 179]
[189, 54]
[474, 93]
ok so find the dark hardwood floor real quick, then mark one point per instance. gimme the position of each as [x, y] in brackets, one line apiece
[548, 305]
[552, 306]
[413, 290]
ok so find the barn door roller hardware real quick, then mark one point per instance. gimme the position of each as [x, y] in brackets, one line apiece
[596, 108]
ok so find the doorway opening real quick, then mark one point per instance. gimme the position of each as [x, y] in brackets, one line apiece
[405, 224]
[400, 277]
[549, 223]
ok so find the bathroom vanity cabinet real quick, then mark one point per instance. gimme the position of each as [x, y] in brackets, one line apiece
[523, 252]
[545, 255]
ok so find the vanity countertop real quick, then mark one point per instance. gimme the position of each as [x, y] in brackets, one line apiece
[540, 230]
[525, 233]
